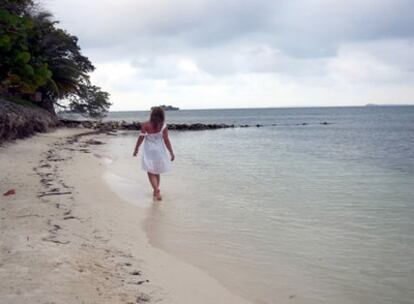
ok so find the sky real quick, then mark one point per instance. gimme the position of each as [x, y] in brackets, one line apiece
[199, 54]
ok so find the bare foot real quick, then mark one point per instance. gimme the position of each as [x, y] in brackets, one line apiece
[157, 195]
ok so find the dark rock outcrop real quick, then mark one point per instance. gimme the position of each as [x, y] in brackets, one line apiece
[108, 126]
[17, 121]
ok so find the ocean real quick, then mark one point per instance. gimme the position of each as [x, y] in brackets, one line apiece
[295, 211]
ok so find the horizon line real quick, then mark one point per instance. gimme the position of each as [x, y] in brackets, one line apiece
[280, 107]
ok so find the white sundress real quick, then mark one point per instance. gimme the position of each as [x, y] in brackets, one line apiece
[155, 158]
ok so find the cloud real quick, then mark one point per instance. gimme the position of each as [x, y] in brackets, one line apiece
[239, 52]
[378, 62]
[298, 27]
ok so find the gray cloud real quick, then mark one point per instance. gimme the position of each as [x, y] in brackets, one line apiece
[299, 28]
[195, 43]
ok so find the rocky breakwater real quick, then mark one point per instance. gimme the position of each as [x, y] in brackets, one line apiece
[17, 121]
[106, 126]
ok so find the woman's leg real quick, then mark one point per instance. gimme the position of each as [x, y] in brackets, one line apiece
[153, 181]
[157, 193]
[158, 180]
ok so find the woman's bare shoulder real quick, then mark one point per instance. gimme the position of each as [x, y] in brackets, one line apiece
[145, 126]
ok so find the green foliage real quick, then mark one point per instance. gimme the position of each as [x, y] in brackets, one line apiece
[17, 70]
[90, 101]
[17, 7]
[37, 56]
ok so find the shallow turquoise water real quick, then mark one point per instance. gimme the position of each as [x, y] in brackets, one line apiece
[288, 213]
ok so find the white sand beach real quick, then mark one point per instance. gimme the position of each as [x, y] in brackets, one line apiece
[66, 238]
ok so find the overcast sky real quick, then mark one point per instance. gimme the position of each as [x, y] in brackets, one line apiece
[261, 53]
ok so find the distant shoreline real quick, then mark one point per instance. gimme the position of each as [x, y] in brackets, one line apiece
[166, 108]
[264, 108]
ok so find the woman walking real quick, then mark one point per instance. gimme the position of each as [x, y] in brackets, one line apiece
[155, 140]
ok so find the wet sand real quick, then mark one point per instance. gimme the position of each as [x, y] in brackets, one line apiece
[65, 237]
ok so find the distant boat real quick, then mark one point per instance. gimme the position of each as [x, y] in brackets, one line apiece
[167, 108]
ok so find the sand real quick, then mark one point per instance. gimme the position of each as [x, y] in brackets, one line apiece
[66, 238]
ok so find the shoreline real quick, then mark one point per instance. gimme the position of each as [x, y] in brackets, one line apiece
[67, 238]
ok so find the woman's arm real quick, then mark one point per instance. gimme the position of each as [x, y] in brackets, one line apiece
[139, 141]
[168, 143]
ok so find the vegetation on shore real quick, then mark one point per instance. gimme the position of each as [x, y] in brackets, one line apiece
[167, 108]
[43, 63]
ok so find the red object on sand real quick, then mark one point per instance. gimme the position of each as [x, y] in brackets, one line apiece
[10, 192]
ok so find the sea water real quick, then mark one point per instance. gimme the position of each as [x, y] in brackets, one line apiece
[297, 212]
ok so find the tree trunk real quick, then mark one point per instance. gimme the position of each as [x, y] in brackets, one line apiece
[47, 104]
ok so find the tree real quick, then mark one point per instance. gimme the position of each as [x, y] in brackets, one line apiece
[17, 7]
[19, 70]
[90, 101]
[37, 56]
[62, 54]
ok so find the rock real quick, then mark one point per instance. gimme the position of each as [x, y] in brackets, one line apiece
[17, 121]
[137, 272]
[110, 126]
[94, 142]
